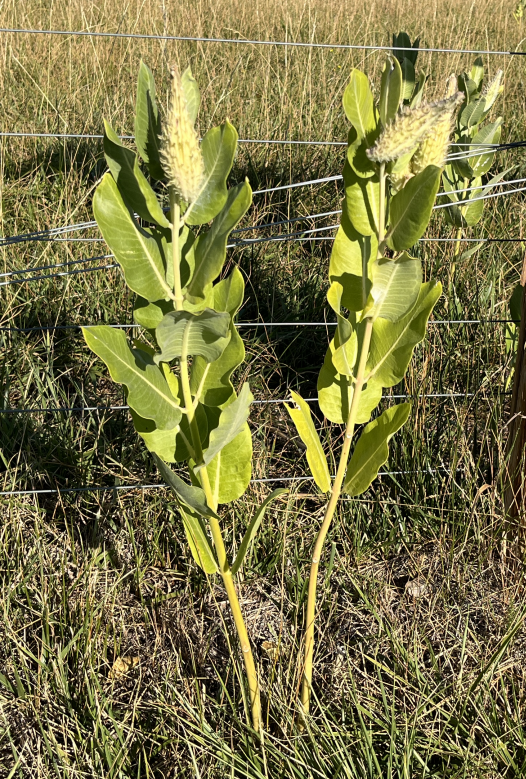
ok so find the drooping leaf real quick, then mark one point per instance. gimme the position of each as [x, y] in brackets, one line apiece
[392, 344]
[190, 496]
[350, 262]
[390, 90]
[233, 418]
[301, 416]
[411, 208]
[218, 149]
[148, 391]
[182, 333]
[372, 449]
[131, 182]
[210, 248]
[213, 380]
[253, 529]
[358, 103]
[230, 470]
[198, 540]
[192, 95]
[396, 284]
[148, 122]
[362, 201]
[136, 251]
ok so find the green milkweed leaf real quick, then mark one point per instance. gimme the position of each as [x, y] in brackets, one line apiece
[232, 420]
[133, 186]
[148, 391]
[372, 449]
[210, 248]
[408, 78]
[301, 416]
[230, 470]
[411, 208]
[490, 133]
[149, 315]
[351, 258]
[174, 445]
[212, 381]
[192, 95]
[253, 529]
[183, 334]
[148, 122]
[396, 284]
[218, 149]
[392, 344]
[198, 540]
[136, 251]
[191, 496]
[362, 201]
[358, 103]
[335, 393]
[390, 90]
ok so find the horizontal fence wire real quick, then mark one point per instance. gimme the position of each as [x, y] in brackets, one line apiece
[59, 231]
[130, 326]
[270, 480]
[264, 402]
[242, 41]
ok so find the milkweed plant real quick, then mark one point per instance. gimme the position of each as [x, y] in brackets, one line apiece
[178, 374]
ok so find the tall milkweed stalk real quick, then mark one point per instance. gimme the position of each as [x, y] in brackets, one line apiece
[394, 164]
[177, 374]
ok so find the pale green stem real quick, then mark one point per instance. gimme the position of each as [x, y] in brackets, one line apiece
[176, 218]
[217, 536]
[339, 478]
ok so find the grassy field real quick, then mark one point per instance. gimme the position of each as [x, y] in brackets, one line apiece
[421, 666]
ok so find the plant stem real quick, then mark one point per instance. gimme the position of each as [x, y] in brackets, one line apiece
[329, 514]
[211, 499]
[340, 473]
[176, 218]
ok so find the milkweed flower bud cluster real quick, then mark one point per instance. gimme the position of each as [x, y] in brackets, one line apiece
[433, 149]
[180, 154]
[410, 128]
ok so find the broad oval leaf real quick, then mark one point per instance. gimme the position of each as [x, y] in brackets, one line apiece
[148, 391]
[136, 251]
[253, 528]
[212, 381]
[372, 450]
[230, 470]
[335, 394]
[210, 248]
[301, 416]
[191, 496]
[358, 103]
[411, 208]
[183, 334]
[392, 344]
[133, 186]
[148, 122]
[233, 418]
[362, 201]
[218, 149]
[490, 133]
[149, 315]
[351, 258]
[396, 284]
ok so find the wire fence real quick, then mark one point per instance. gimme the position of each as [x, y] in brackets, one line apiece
[63, 234]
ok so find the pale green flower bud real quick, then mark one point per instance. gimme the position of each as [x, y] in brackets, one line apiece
[433, 150]
[409, 128]
[181, 156]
